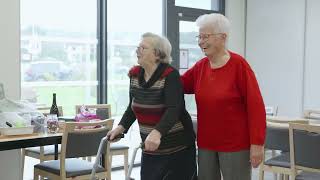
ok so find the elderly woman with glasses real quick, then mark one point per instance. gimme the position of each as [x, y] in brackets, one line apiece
[231, 114]
[157, 102]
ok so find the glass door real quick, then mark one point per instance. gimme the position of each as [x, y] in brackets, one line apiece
[189, 54]
[181, 30]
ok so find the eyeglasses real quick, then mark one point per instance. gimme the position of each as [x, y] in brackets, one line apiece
[141, 49]
[205, 37]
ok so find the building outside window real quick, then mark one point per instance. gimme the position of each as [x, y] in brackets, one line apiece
[58, 52]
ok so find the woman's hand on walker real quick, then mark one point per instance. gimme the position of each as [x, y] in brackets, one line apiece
[152, 141]
[114, 133]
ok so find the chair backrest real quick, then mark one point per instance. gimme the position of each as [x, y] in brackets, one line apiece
[312, 114]
[277, 132]
[304, 147]
[85, 141]
[103, 111]
[277, 138]
[46, 110]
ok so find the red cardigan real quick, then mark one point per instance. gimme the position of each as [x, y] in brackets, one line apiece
[230, 109]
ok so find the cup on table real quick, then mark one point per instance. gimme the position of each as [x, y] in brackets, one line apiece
[52, 123]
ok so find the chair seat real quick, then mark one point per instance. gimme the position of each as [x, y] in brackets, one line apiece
[282, 160]
[74, 167]
[118, 147]
[48, 150]
[308, 176]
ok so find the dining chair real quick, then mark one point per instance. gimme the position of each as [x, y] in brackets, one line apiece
[103, 111]
[304, 151]
[277, 139]
[278, 121]
[43, 153]
[74, 139]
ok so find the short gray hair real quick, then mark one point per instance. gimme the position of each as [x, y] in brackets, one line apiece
[161, 45]
[218, 22]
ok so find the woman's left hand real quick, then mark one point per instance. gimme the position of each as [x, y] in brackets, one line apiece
[152, 141]
[256, 154]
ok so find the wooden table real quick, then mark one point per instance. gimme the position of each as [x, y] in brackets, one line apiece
[284, 119]
[283, 122]
[276, 121]
[31, 140]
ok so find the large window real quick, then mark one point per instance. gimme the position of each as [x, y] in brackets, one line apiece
[58, 52]
[126, 22]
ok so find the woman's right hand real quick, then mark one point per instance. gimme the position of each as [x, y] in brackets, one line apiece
[114, 133]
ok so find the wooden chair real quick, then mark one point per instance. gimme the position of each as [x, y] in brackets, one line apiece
[72, 147]
[277, 139]
[304, 151]
[43, 153]
[274, 121]
[104, 112]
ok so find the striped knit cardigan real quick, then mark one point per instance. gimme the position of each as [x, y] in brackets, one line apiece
[159, 104]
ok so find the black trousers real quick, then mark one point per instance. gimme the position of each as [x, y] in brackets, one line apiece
[177, 166]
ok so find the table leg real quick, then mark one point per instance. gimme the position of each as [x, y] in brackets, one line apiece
[56, 153]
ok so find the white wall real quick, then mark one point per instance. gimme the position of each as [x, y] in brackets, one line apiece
[10, 75]
[236, 13]
[10, 47]
[312, 65]
[275, 50]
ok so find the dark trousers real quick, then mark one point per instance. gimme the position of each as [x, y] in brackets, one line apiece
[177, 166]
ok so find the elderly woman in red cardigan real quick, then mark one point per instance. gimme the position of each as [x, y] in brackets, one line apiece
[230, 109]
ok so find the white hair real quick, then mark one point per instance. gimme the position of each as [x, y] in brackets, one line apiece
[218, 22]
[161, 45]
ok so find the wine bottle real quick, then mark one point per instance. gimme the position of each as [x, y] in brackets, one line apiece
[54, 107]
